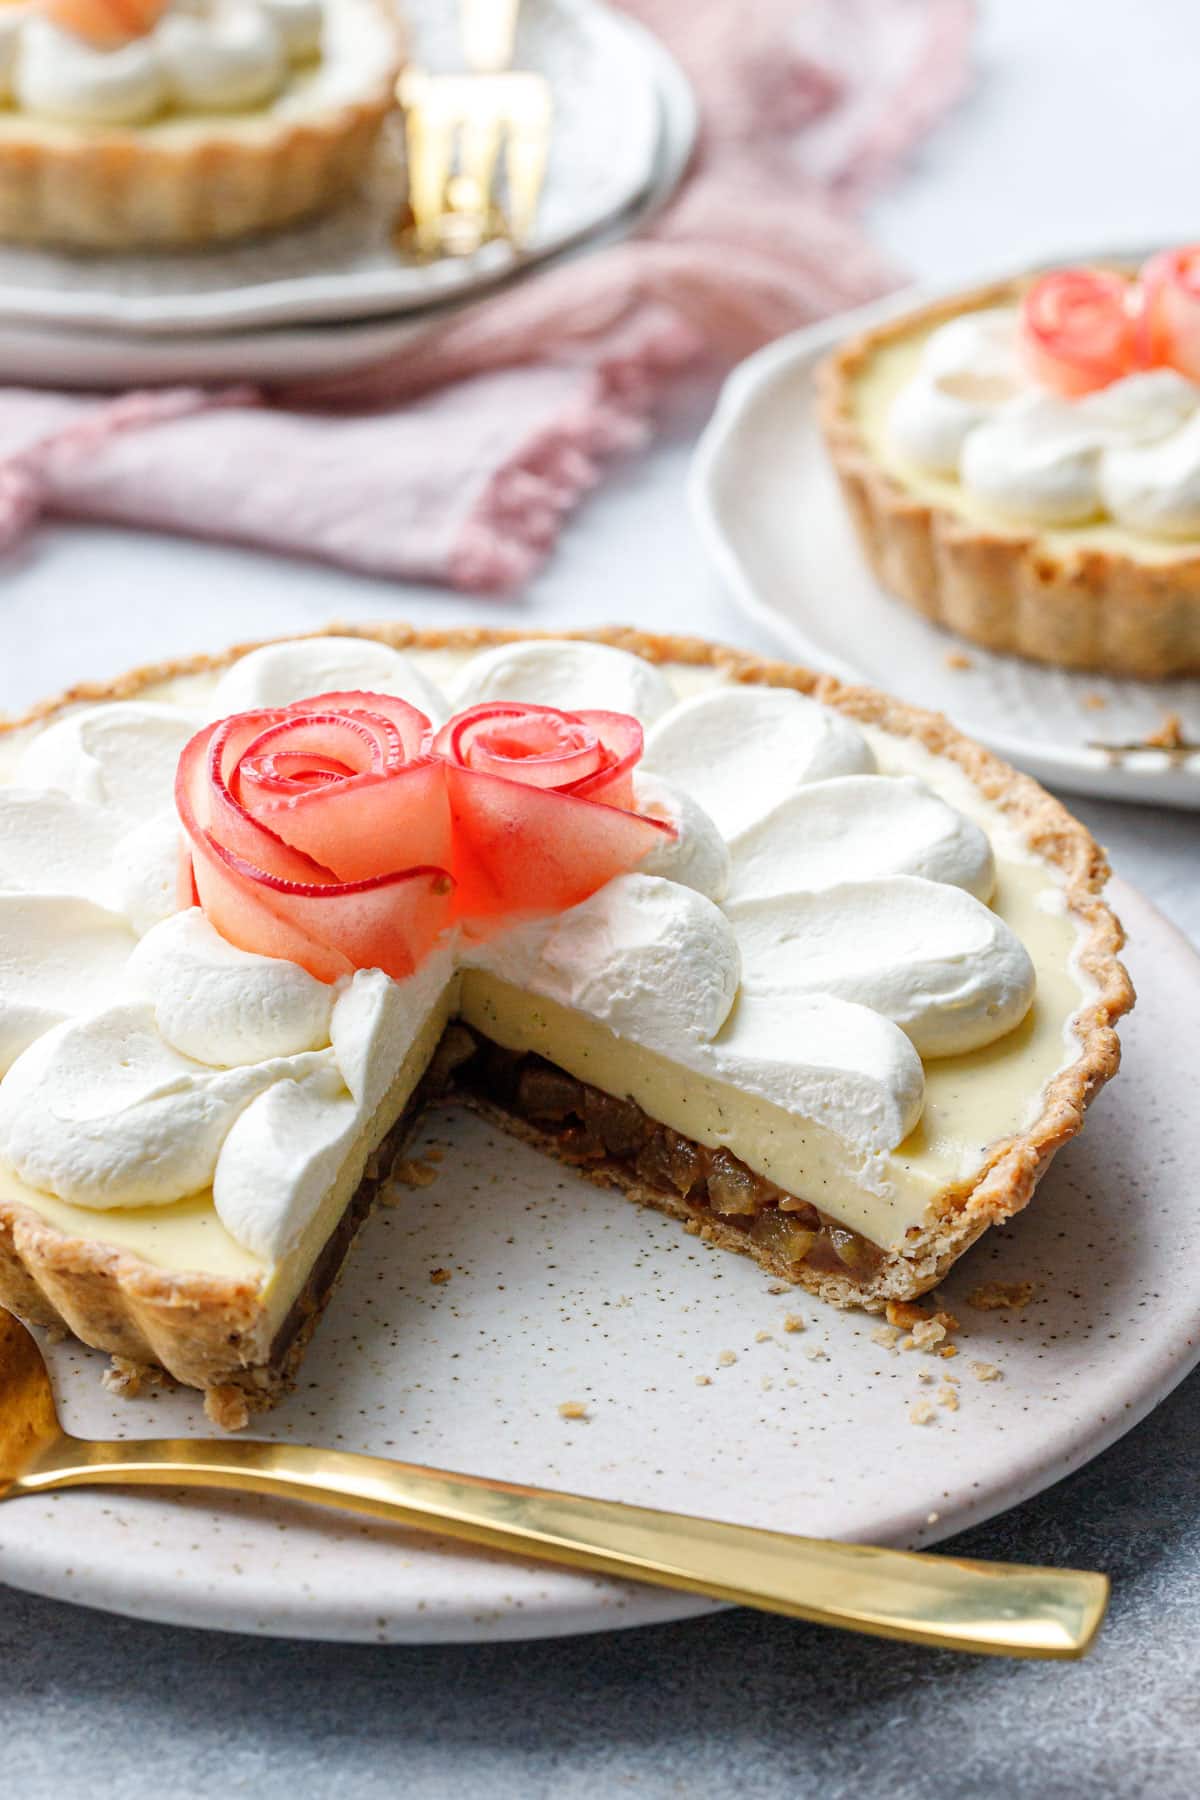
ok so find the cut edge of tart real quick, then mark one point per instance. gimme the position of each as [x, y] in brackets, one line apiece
[1122, 607]
[189, 180]
[218, 1332]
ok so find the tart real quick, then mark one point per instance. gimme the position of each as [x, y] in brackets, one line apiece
[130, 124]
[790, 961]
[1022, 464]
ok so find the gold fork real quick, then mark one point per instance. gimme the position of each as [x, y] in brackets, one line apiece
[488, 29]
[1002, 1609]
[456, 127]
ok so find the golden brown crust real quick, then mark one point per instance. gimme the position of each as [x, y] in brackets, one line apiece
[1082, 608]
[209, 1332]
[119, 188]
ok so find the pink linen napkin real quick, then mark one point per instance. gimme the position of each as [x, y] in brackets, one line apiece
[458, 460]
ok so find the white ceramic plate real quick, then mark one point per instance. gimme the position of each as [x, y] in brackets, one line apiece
[562, 1292]
[87, 358]
[767, 504]
[344, 265]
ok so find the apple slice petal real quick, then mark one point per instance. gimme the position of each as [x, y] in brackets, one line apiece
[1078, 330]
[525, 850]
[1170, 329]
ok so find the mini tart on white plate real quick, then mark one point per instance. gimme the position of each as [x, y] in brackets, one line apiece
[143, 124]
[850, 988]
[1000, 498]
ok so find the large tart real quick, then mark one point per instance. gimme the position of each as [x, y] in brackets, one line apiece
[850, 988]
[165, 123]
[1045, 504]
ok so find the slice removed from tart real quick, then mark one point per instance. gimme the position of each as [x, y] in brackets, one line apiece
[838, 985]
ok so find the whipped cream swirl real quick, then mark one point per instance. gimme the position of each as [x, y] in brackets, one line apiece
[814, 929]
[1129, 452]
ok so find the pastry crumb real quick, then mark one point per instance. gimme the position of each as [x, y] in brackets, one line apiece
[412, 1172]
[128, 1378]
[1167, 735]
[1095, 702]
[703, 1380]
[958, 659]
[991, 1296]
[572, 1409]
[226, 1407]
[922, 1412]
[440, 1277]
[985, 1371]
[692, 1227]
[815, 1352]
[947, 1349]
[948, 1397]
[763, 1337]
[726, 1358]
[780, 1287]
[932, 1518]
[793, 1322]
[887, 1335]
[925, 1376]
[905, 1313]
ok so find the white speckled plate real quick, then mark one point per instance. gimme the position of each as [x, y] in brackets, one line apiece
[563, 1292]
[767, 504]
[344, 265]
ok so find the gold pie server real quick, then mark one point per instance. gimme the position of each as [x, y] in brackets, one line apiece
[1002, 1609]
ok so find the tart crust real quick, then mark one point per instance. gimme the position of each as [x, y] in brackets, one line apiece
[210, 1332]
[205, 181]
[1079, 608]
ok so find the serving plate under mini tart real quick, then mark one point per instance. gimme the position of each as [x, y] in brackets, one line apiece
[768, 506]
[558, 1292]
[345, 264]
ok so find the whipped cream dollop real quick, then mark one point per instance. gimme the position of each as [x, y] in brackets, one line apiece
[101, 1111]
[741, 751]
[226, 1006]
[928, 956]
[278, 674]
[201, 56]
[121, 757]
[656, 962]
[575, 677]
[1129, 452]
[813, 926]
[59, 955]
[856, 826]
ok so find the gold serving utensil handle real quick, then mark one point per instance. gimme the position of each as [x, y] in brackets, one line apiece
[488, 30]
[1000, 1609]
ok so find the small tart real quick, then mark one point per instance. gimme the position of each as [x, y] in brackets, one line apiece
[170, 1286]
[189, 178]
[1095, 595]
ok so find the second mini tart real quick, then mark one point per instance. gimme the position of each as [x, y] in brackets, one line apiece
[1096, 595]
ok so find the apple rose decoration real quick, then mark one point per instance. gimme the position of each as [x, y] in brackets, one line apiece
[320, 832]
[1170, 312]
[1079, 330]
[543, 807]
[105, 24]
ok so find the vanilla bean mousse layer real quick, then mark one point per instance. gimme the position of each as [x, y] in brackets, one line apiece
[867, 982]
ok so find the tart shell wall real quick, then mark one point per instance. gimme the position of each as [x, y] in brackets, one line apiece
[209, 1332]
[1006, 590]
